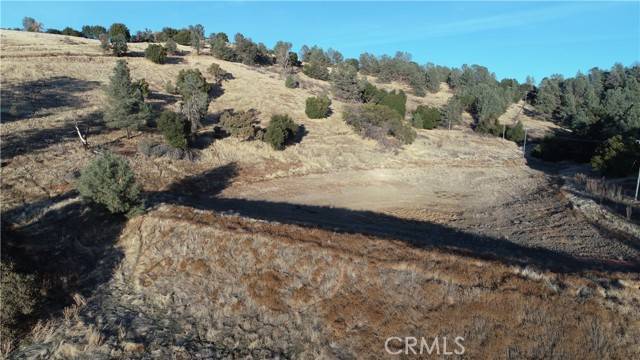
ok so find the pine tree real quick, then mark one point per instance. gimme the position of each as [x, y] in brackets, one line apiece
[344, 83]
[125, 108]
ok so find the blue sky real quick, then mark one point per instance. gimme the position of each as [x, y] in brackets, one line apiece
[513, 39]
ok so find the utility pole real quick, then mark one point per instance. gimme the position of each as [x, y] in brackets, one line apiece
[637, 182]
[524, 146]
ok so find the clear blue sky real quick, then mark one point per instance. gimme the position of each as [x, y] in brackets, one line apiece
[513, 39]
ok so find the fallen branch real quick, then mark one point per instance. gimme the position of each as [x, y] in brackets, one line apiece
[83, 139]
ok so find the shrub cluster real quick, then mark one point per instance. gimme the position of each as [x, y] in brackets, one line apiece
[18, 298]
[316, 70]
[244, 50]
[515, 133]
[241, 124]
[143, 86]
[109, 181]
[175, 128]
[425, 117]
[218, 73]
[280, 131]
[93, 31]
[318, 107]
[572, 148]
[156, 53]
[171, 47]
[291, 82]
[378, 122]
[396, 100]
[617, 157]
[596, 108]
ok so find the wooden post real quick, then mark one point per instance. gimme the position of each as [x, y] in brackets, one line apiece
[524, 146]
[504, 129]
[637, 185]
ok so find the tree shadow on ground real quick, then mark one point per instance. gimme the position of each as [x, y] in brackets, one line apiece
[41, 97]
[31, 140]
[70, 249]
[299, 135]
[216, 91]
[201, 192]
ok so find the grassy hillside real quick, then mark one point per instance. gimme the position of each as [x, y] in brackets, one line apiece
[322, 250]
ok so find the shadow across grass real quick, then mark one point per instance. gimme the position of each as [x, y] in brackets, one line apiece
[201, 192]
[69, 249]
[27, 141]
[41, 97]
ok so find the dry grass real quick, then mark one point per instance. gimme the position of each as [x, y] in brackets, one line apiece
[330, 146]
[354, 291]
[330, 294]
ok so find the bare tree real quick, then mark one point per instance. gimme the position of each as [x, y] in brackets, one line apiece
[30, 24]
[282, 55]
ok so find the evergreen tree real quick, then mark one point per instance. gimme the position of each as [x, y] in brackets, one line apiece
[119, 45]
[195, 96]
[125, 107]
[109, 181]
[120, 29]
[344, 83]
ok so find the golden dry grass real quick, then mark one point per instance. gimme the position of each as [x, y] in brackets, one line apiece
[323, 290]
[330, 147]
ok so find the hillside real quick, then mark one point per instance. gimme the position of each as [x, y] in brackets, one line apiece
[322, 250]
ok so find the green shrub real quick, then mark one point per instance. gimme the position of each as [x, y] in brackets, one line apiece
[280, 131]
[553, 148]
[241, 124]
[218, 73]
[396, 101]
[175, 128]
[378, 122]
[143, 86]
[316, 70]
[119, 45]
[191, 81]
[425, 117]
[353, 62]
[109, 181]
[291, 82]
[170, 88]
[171, 46]
[318, 107]
[489, 126]
[18, 299]
[104, 42]
[71, 32]
[156, 53]
[515, 133]
[617, 157]
[183, 37]
[452, 112]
